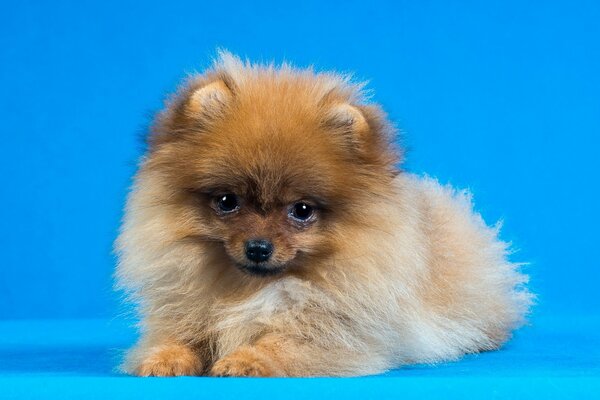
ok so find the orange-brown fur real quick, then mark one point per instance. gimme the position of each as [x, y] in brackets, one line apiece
[392, 269]
[171, 360]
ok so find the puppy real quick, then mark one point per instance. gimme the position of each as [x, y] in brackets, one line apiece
[269, 232]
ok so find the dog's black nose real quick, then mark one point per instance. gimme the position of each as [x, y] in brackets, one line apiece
[258, 250]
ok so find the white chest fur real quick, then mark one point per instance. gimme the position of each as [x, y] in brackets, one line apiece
[277, 304]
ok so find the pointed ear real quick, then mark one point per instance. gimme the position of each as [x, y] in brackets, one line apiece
[349, 121]
[197, 106]
[208, 101]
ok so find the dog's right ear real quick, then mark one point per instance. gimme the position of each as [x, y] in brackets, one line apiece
[207, 102]
[192, 110]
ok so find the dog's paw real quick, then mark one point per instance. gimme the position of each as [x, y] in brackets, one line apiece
[170, 360]
[245, 362]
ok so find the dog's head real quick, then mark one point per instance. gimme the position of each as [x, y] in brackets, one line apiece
[266, 162]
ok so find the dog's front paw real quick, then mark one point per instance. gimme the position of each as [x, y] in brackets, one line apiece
[245, 362]
[170, 360]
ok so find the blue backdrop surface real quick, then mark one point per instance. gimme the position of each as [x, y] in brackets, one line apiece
[499, 97]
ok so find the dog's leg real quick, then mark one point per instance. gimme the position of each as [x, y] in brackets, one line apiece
[168, 359]
[255, 360]
[276, 355]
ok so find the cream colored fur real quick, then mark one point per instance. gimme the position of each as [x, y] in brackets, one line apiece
[421, 280]
[397, 290]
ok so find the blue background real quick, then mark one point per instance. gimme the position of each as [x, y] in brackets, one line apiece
[499, 97]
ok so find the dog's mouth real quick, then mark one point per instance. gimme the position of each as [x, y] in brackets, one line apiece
[261, 269]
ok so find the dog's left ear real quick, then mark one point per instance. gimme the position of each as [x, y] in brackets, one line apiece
[364, 130]
[349, 121]
[362, 127]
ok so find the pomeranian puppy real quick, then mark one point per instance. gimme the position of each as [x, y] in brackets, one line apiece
[270, 232]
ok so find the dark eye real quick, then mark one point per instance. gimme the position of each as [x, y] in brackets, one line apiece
[227, 203]
[301, 211]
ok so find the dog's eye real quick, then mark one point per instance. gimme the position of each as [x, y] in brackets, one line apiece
[227, 203]
[301, 211]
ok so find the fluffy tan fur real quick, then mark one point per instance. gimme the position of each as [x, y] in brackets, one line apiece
[393, 268]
